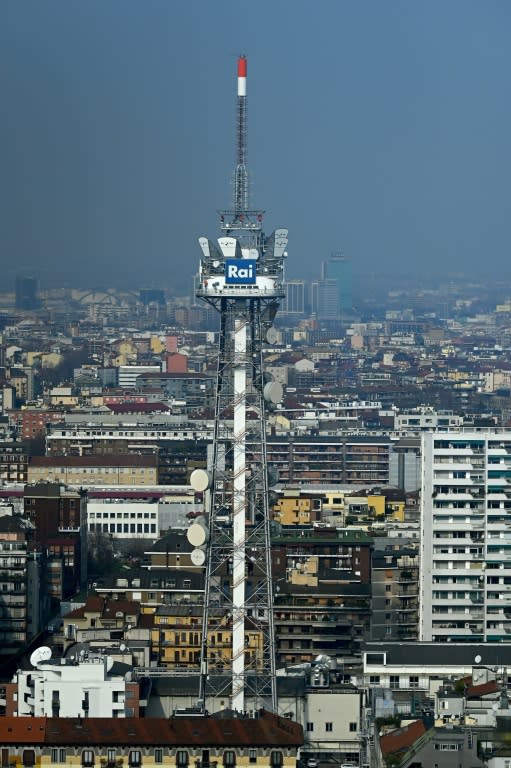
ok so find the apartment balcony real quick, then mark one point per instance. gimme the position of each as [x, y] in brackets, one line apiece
[404, 580]
[452, 629]
[406, 620]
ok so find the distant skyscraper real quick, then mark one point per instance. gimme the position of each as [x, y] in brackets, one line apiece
[328, 299]
[26, 293]
[339, 268]
[152, 296]
[294, 302]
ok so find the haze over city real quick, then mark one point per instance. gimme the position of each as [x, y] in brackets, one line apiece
[379, 130]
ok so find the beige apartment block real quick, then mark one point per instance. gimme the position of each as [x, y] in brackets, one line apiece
[95, 470]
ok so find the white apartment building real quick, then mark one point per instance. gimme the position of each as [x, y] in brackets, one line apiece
[85, 686]
[465, 573]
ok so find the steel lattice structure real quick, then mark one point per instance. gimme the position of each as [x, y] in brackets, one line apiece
[241, 278]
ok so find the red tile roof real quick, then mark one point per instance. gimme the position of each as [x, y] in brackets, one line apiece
[475, 691]
[402, 738]
[104, 607]
[266, 730]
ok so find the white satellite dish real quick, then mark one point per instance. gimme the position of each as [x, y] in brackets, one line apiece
[197, 557]
[197, 534]
[272, 335]
[40, 655]
[109, 663]
[273, 392]
[122, 647]
[478, 659]
[200, 480]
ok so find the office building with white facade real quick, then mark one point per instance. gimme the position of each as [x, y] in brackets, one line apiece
[465, 571]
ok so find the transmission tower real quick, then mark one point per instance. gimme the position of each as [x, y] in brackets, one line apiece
[241, 276]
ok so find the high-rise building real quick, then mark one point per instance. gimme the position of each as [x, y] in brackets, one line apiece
[328, 299]
[26, 293]
[295, 299]
[465, 571]
[339, 268]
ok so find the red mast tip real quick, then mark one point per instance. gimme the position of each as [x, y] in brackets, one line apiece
[242, 66]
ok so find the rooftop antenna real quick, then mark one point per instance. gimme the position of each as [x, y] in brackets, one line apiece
[241, 171]
[241, 219]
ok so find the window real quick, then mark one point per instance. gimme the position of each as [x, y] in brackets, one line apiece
[310, 727]
[328, 727]
[374, 679]
[353, 727]
[55, 756]
[394, 681]
[28, 757]
[252, 755]
[229, 757]
[276, 758]
[182, 758]
[111, 756]
[414, 681]
[135, 757]
[158, 755]
[87, 757]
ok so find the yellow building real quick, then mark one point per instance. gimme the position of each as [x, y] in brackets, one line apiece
[177, 636]
[157, 345]
[296, 509]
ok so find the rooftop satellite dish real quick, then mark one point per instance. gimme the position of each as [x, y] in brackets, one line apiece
[122, 647]
[40, 655]
[478, 659]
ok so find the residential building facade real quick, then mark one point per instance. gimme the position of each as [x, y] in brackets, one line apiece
[465, 574]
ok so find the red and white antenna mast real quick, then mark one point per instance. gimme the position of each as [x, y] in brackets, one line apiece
[241, 171]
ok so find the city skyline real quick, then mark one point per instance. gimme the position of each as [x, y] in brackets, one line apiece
[377, 131]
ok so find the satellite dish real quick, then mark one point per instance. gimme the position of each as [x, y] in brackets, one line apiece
[198, 557]
[200, 480]
[478, 659]
[109, 663]
[40, 655]
[272, 335]
[122, 647]
[196, 534]
[273, 392]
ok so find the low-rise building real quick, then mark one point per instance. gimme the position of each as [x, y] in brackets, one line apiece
[83, 685]
[265, 740]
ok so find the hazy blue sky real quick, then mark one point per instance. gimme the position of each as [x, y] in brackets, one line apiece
[380, 129]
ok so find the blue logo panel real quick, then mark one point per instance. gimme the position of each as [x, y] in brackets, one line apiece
[240, 271]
